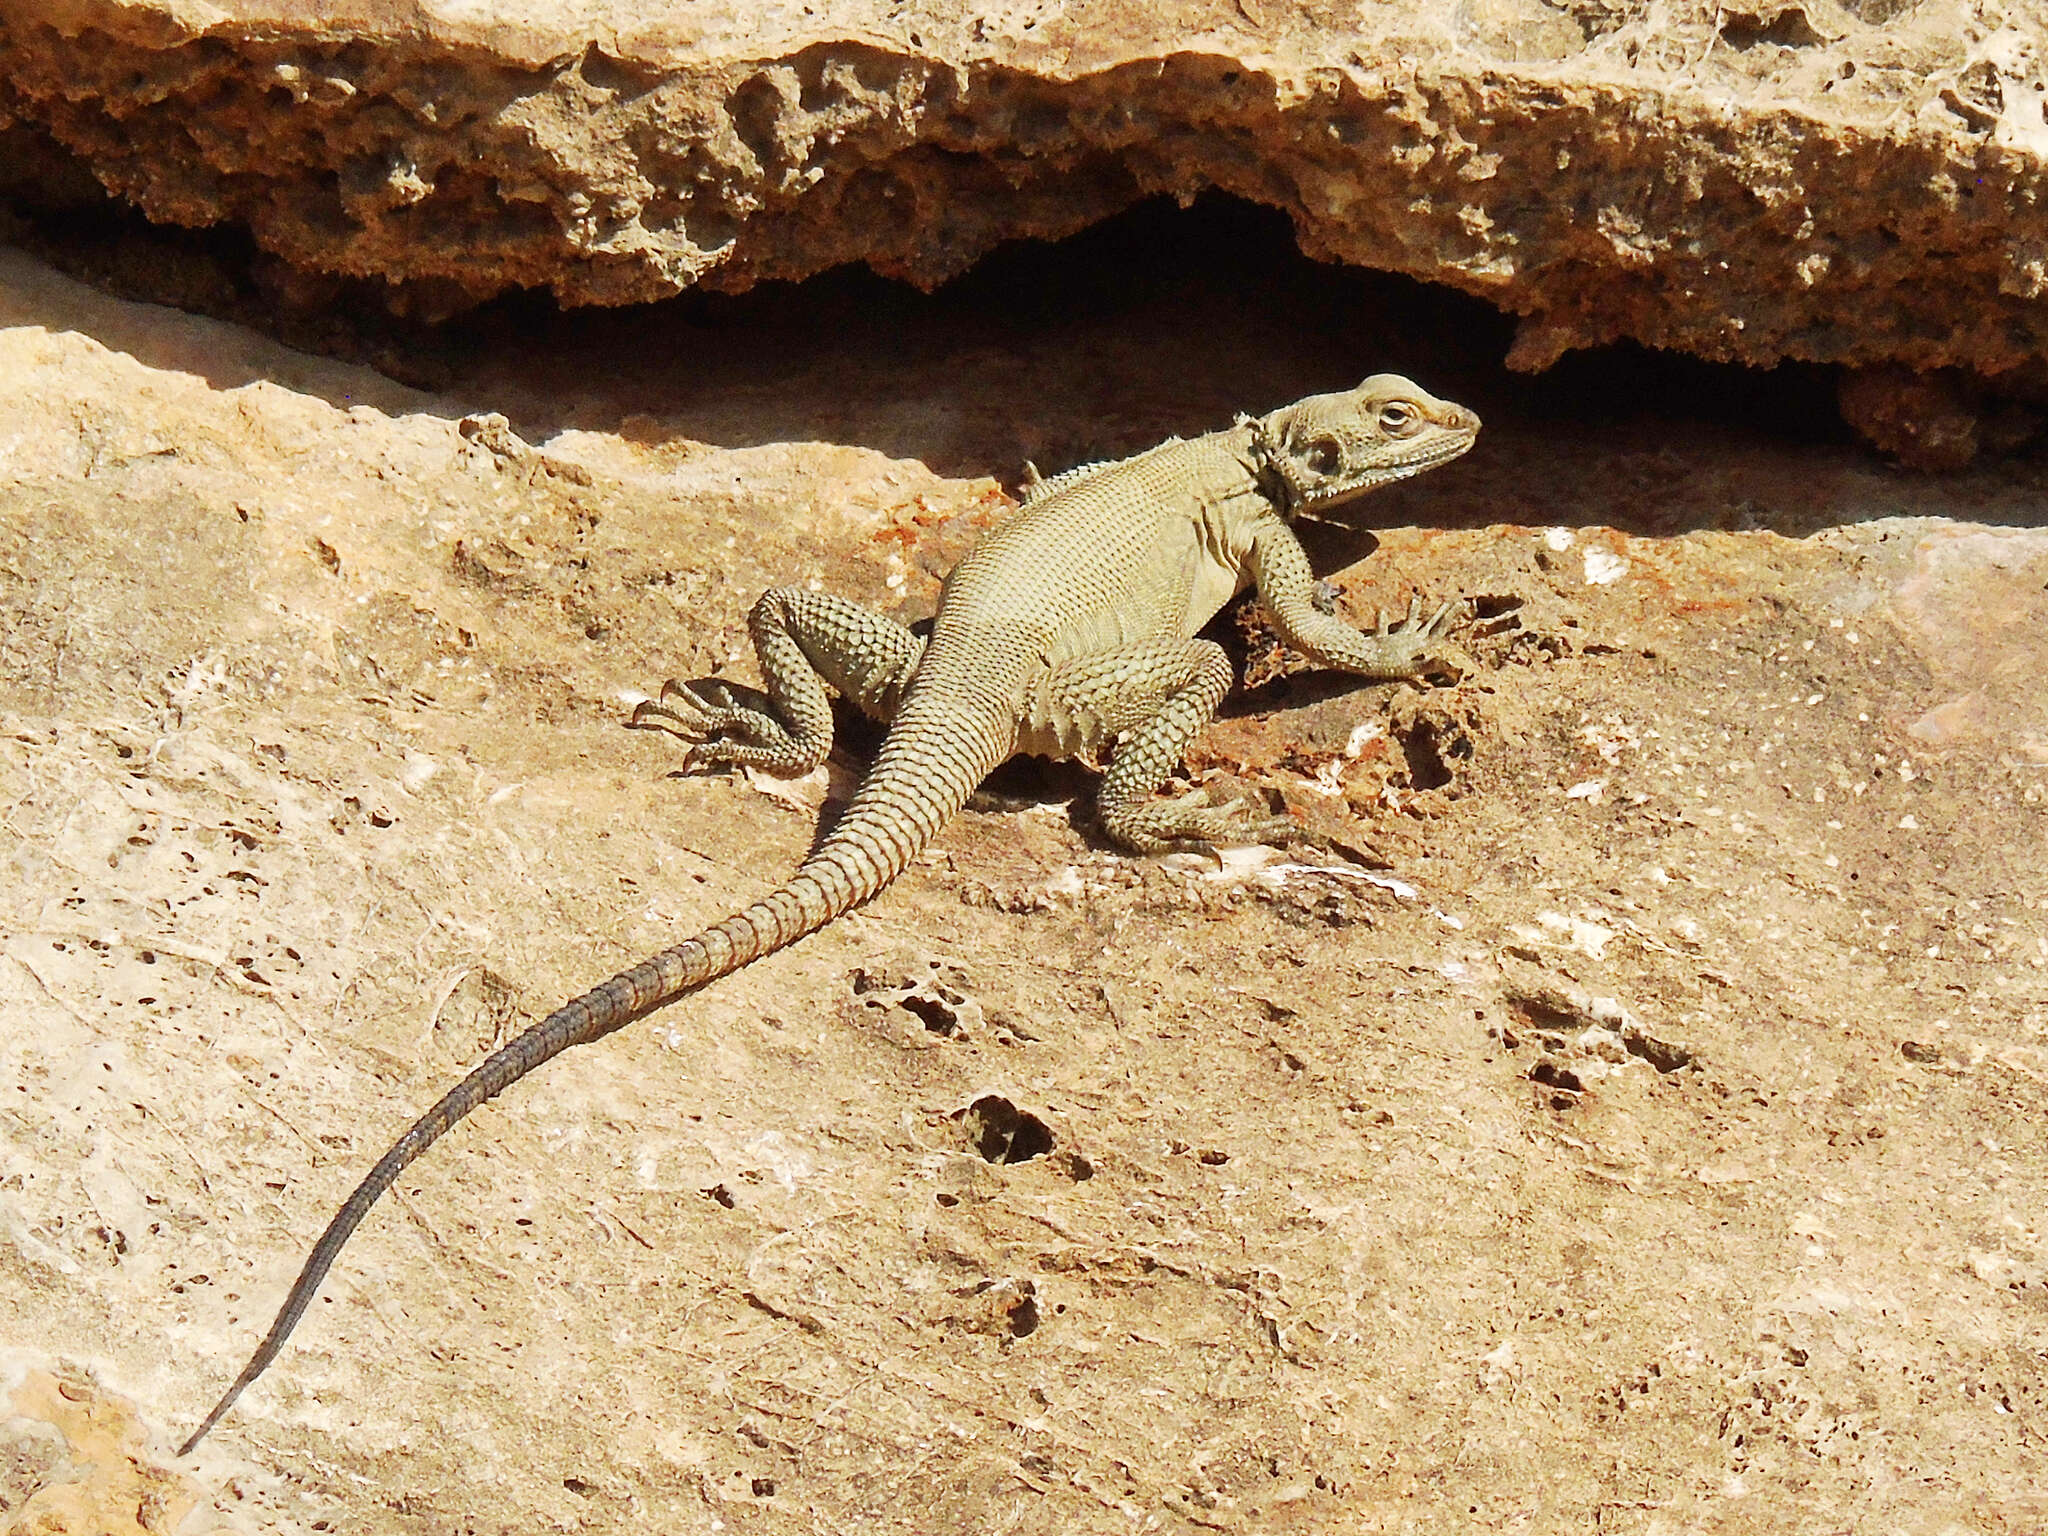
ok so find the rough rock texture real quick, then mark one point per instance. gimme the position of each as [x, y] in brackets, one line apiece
[1641, 1129]
[1849, 182]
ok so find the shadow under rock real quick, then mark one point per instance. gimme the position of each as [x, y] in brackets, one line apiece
[1162, 321]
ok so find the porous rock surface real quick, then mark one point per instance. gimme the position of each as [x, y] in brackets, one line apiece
[1640, 1129]
[1846, 181]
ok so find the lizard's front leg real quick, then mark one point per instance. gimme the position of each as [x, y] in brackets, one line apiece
[1287, 587]
[805, 642]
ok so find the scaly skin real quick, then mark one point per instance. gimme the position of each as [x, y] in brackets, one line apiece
[1068, 631]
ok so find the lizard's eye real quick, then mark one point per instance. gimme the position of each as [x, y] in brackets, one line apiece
[1398, 420]
[1323, 456]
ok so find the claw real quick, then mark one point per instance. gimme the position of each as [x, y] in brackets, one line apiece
[687, 697]
[715, 697]
[1439, 623]
[650, 716]
[702, 757]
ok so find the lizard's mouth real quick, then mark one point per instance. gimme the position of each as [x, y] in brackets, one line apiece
[1425, 454]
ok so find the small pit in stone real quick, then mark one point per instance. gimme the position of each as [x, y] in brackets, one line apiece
[1024, 1316]
[939, 1015]
[933, 995]
[1423, 748]
[1788, 28]
[1003, 1133]
[1566, 1084]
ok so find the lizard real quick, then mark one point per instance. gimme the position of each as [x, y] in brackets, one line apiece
[1068, 631]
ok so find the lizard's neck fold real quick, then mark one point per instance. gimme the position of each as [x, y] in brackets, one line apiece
[1260, 453]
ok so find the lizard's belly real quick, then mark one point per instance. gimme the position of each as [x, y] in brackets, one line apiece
[1105, 631]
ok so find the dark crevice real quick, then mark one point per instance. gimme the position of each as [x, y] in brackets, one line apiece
[1788, 29]
[1003, 1133]
[1161, 320]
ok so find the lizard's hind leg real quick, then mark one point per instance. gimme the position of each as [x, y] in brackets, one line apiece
[1151, 700]
[805, 642]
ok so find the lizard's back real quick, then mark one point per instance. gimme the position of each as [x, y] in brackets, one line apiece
[1133, 551]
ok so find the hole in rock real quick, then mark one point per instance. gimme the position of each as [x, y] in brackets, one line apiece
[1003, 1133]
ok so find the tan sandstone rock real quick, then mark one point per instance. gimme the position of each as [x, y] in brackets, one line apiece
[1845, 182]
[1635, 1121]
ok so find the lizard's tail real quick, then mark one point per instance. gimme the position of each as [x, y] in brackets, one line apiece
[868, 849]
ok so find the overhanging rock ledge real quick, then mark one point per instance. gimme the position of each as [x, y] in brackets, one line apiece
[1848, 183]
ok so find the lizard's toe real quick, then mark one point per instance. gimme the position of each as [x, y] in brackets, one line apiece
[676, 693]
[718, 725]
[1176, 826]
[650, 716]
[1274, 831]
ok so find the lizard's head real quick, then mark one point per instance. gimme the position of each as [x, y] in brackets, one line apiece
[1322, 451]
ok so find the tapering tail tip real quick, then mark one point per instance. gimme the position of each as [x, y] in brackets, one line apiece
[227, 1399]
[778, 919]
[192, 1440]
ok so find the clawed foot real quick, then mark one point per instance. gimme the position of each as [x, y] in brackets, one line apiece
[1434, 628]
[1188, 824]
[1416, 645]
[722, 723]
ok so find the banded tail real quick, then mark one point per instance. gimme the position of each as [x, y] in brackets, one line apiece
[883, 829]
